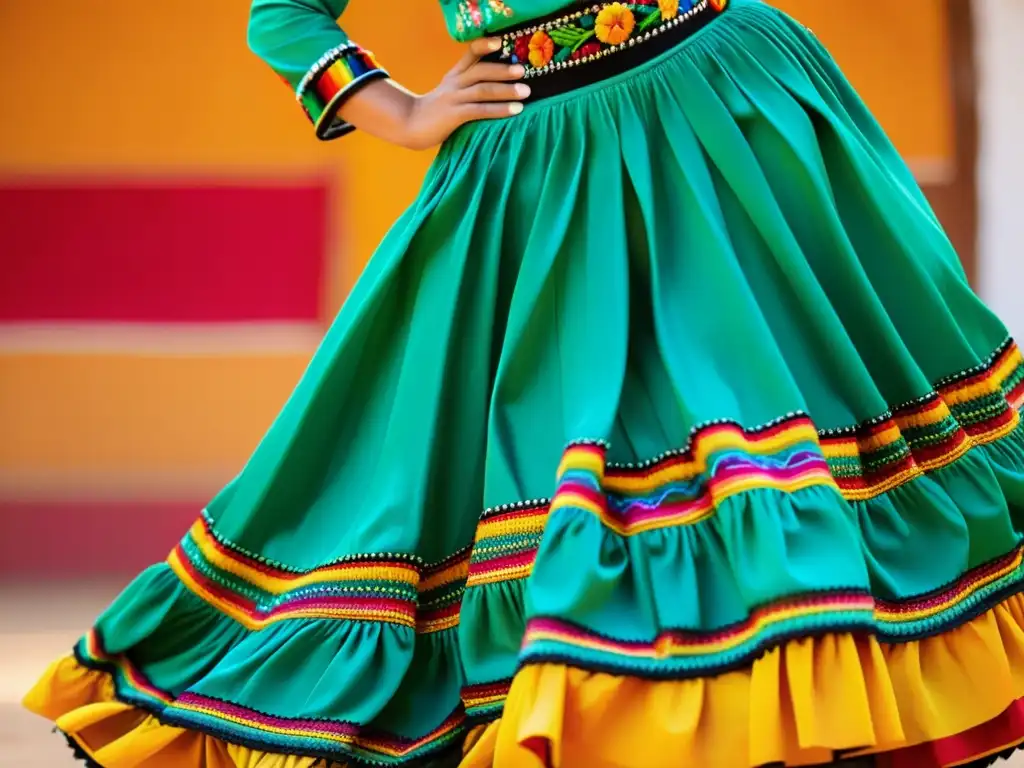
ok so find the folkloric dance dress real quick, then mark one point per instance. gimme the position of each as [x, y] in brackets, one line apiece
[663, 430]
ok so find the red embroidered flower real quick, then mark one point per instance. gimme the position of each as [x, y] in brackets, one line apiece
[586, 49]
[523, 49]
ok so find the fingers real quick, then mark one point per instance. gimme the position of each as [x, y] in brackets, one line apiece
[486, 92]
[476, 51]
[489, 111]
[484, 88]
[483, 72]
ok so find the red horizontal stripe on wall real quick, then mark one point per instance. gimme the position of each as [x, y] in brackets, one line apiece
[58, 540]
[162, 252]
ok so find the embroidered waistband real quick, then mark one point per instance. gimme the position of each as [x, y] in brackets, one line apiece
[598, 40]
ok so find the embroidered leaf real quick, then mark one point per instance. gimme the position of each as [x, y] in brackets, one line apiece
[650, 21]
[563, 54]
[640, 11]
[583, 39]
[568, 35]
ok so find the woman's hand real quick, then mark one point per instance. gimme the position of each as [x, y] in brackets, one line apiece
[472, 90]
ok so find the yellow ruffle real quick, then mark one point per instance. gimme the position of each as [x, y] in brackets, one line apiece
[82, 704]
[795, 705]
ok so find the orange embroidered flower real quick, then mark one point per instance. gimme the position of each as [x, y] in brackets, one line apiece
[542, 48]
[669, 8]
[614, 24]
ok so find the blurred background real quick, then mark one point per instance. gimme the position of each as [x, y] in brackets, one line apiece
[173, 242]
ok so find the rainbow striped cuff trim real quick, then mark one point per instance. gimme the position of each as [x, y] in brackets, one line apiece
[330, 81]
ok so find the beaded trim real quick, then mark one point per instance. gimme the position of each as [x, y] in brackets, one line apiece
[277, 565]
[596, 31]
[721, 459]
[672, 655]
[970, 408]
[325, 738]
[676, 654]
[333, 78]
[679, 654]
[679, 487]
[395, 589]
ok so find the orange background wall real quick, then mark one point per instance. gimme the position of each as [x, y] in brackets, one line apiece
[114, 89]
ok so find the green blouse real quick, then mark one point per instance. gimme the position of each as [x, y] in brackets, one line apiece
[302, 41]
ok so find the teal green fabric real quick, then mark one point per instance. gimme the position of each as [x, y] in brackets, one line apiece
[292, 35]
[722, 237]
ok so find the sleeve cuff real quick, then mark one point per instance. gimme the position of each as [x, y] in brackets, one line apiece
[335, 77]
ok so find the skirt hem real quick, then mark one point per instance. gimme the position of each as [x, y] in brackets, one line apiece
[806, 702]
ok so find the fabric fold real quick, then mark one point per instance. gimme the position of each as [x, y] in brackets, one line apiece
[661, 430]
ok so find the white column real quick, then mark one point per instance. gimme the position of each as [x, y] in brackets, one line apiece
[1000, 53]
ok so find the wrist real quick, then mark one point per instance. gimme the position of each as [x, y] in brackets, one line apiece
[383, 109]
[407, 133]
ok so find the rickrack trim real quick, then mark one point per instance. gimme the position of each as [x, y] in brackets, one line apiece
[681, 654]
[398, 557]
[557, 641]
[676, 488]
[977, 406]
[397, 589]
[593, 32]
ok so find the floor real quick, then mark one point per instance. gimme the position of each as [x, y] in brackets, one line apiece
[38, 623]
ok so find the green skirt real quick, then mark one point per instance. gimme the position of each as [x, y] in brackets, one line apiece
[662, 430]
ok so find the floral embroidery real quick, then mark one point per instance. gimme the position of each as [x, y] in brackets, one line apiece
[478, 14]
[669, 8]
[587, 49]
[596, 30]
[542, 48]
[614, 24]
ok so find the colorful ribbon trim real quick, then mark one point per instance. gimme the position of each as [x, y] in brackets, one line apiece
[677, 654]
[390, 589]
[684, 487]
[679, 488]
[239, 724]
[336, 75]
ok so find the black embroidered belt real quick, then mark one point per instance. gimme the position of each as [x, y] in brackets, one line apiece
[597, 40]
